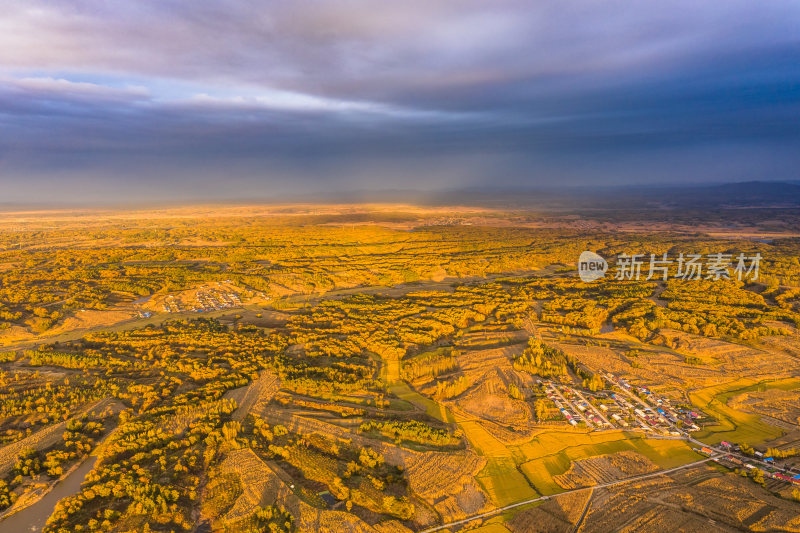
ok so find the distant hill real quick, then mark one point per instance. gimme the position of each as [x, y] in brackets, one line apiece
[702, 196]
[744, 194]
[731, 195]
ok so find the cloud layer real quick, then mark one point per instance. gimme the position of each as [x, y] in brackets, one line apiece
[228, 99]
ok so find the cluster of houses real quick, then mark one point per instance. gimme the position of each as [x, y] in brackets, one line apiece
[656, 412]
[627, 407]
[637, 408]
[207, 299]
[214, 299]
[736, 459]
[575, 407]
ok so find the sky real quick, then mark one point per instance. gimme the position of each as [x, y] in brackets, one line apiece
[167, 99]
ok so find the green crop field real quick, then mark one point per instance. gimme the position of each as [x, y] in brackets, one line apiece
[734, 425]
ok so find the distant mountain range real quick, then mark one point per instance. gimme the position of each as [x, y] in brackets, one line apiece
[743, 194]
[776, 194]
[730, 195]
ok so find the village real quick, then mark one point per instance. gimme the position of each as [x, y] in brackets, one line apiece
[636, 408]
[628, 407]
[207, 299]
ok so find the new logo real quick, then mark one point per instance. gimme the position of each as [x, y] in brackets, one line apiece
[591, 266]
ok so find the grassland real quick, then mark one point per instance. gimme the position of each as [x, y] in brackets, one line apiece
[552, 453]
[492, 527]
[735, 425]
[431, 407]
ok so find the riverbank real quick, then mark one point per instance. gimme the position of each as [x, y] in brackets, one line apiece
[33, 516]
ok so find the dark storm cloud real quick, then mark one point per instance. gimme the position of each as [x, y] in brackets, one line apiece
[227, 99]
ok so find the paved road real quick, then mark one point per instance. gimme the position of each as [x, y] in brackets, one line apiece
[592, 407]
[568, 404]
[636, 400]
[593, 487]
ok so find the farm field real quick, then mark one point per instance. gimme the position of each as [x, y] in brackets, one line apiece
[299, 372]
[545, 461]
[737, 425]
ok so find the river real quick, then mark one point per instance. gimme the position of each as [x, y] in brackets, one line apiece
[34, 517]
